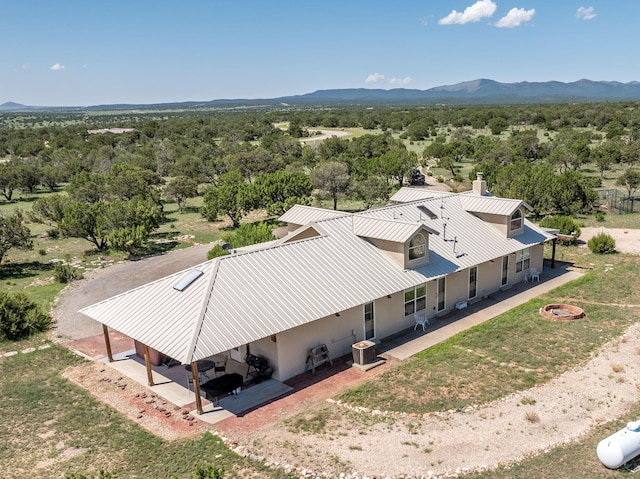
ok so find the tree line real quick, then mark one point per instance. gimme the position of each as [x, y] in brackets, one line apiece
[115, 185]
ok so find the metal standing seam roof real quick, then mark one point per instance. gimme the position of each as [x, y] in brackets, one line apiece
[302, 214]
[407, 194]
[385, 229]
[249, 296]
[491, 204]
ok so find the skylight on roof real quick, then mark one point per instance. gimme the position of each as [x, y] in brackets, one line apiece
[187, 280]
[427, 211]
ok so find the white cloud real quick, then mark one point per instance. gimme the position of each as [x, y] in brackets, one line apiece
[585, 13]
[401, 81]
[380, 78]
[375, 78]
[515, 17]
[474, 13]
[26, 66]
[57, 67]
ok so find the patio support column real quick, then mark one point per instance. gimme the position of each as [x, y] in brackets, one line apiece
[196, 386]
[147, 362]
[553, 252]
[107, 342]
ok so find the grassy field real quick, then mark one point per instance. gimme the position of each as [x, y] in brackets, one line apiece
[460, 371]
[51, 427]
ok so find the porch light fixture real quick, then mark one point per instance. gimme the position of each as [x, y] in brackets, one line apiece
[186, 280]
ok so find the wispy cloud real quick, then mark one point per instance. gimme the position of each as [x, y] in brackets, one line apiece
[57, 67]
[426, 20]
[474, 13]
[515, 18]
[26, 66]
[585, 13]
[401, 81]
[375, 78]
[380, 78]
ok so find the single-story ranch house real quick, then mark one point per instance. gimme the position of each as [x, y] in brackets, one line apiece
[336, 278]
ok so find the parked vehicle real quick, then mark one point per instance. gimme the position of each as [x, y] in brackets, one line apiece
[417, 178]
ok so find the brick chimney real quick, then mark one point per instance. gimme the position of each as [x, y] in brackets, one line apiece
[480, 185]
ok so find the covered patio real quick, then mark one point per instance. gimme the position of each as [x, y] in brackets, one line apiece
[171, 382]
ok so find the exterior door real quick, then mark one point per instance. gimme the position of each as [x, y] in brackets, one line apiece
[505, 271]
[473, 282]
[369, 322]
[442, 285]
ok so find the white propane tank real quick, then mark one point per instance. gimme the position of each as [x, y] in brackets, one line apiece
[620, 447]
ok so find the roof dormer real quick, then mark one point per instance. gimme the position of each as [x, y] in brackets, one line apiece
[504, 214]
[407, 243]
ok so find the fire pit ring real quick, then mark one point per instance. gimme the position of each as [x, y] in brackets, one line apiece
[562, 311]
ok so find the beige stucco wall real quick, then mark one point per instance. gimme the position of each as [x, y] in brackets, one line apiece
[305, 234]
[336, 332]
[392, 248]
[294, 344]
[500, 222]
[288, 353]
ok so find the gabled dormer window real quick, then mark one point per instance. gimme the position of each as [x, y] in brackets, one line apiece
[417, 247]
[516, 220]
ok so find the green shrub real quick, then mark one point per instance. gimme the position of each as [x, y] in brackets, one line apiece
[600, 216]
[216, 251]
[567, 225]
[245, 235]
[65, 273]
[20, 317]
[249, 233]
[602, 243]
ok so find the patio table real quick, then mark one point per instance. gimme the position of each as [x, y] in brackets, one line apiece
[204, 365]
[224, 384]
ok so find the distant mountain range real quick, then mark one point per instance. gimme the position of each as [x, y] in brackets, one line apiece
[472, 92]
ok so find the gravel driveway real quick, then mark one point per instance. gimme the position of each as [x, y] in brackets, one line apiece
[101, 284]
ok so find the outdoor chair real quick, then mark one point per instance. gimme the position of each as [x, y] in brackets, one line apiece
[421, 320]
[220, 367]
[535, 275]
[258, 368]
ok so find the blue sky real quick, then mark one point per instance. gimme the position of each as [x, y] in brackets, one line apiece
[85, 52]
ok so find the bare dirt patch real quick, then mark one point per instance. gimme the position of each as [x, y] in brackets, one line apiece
[136, 402]
[627, 240]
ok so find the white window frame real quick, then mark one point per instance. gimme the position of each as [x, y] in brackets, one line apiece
[417, 247]
[415, 298]
[516, 220]
[523, 259]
